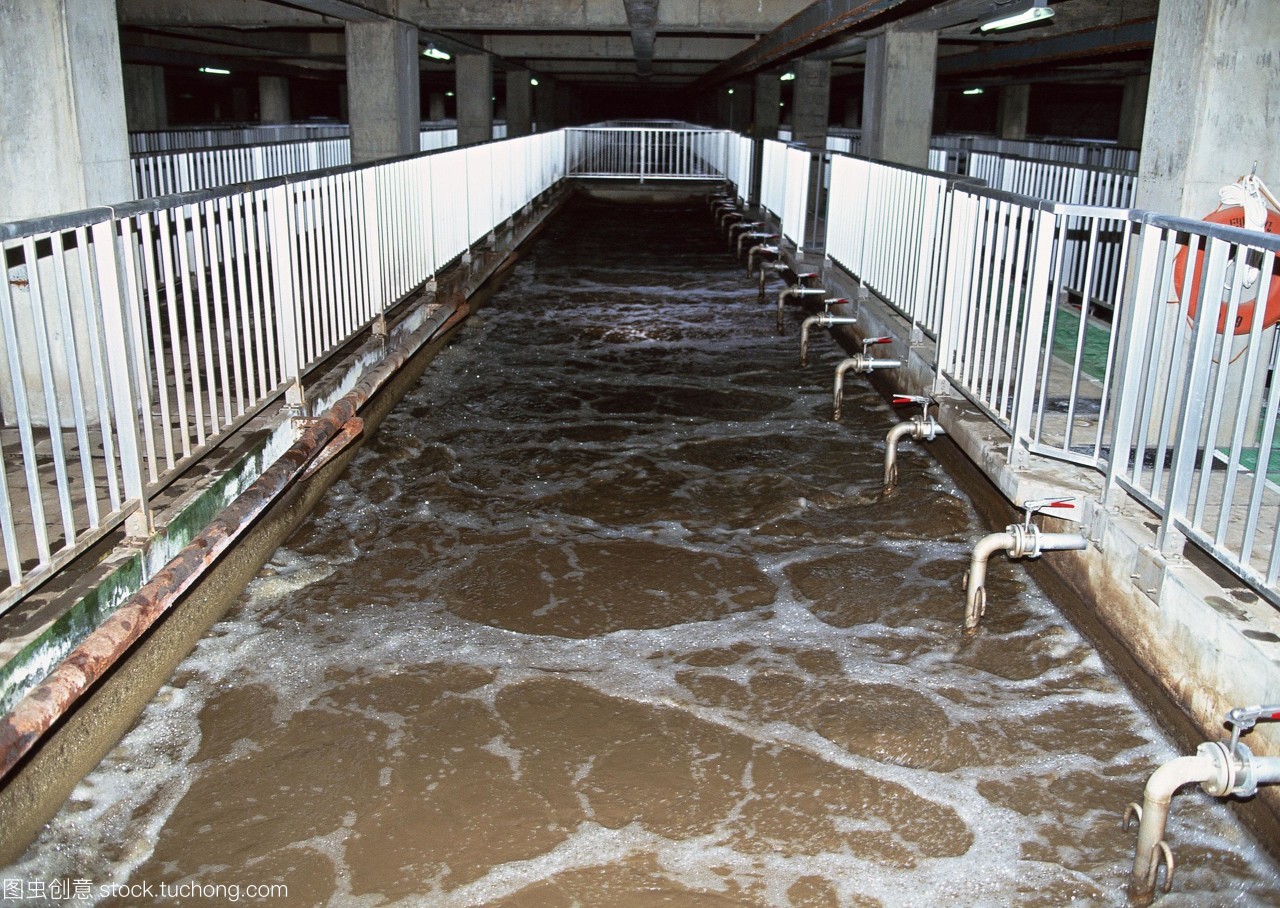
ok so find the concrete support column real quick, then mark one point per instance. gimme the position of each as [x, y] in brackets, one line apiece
[473, 82]
[1213, 71]
[809, 115]
[1133, 110]
[273, 99]
[519, 104]
[65, 147]
[382, 89]
[1015, 101]
[768, 98]
[146, 103]
[435, 107]
[544, 105]
[66, 143]
[897, 99]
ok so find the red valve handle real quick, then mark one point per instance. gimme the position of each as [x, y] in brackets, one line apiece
[877, 340]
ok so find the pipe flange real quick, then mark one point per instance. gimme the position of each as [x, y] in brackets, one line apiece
[1026, 540]
[1224, 781]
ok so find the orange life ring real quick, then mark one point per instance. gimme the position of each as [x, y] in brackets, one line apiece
[1232, 216]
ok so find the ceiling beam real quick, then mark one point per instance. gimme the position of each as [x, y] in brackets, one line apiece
[1057, 49]
[642, 17]
[804, 32]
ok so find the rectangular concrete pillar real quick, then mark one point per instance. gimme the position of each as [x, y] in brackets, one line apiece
[768, 100]
[65, 140]
[897, 99]
[273, 99]
[1015, 101]
[1133, 110]
[1211, 107]
[810, 115]
[519, 103]
[382, 89]
[146, 103]
[474, 86]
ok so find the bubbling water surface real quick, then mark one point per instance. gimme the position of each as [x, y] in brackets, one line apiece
[610, 613]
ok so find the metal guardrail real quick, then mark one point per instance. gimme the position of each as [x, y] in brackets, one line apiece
[141, 142]
[1195, 432]
[881, 224]
[160, 173]
[1177, 414]
[646, 152]
[784, 188]
[135, 337]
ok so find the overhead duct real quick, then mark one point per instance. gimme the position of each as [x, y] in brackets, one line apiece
[642, 16]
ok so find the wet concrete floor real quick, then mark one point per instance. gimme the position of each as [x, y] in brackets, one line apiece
[610, 613]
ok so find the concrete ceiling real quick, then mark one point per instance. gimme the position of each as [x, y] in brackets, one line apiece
[647, 45]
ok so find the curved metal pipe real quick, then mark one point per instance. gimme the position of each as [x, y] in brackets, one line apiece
[1209, 764]
[825, 320]
[920, 428]
[761, 251]
[975, 599]
[729, 214]
[735, 231]
[795, 291]
[859, 362]
[752, 235]
[1019, 541]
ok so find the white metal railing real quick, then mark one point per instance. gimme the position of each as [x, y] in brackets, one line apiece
[647, 152]
[996, 292]
[1087, 153]
[1071, 184]
[242, 134]
[784, 187]
[1075, 184]
[883, 223]
[739, 164]
[1195, 432]
[165, 173]
[1177, 413]
[135, 337]
[160, 173]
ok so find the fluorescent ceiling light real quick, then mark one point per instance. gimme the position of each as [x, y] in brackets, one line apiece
[787, 77]
[448, 94]
[215, 71]
[435, 53]
[973, 91]
[1019, 12]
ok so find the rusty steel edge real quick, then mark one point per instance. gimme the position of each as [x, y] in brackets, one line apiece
[45, 704]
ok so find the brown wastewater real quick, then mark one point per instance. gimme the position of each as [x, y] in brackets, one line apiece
[610, 613]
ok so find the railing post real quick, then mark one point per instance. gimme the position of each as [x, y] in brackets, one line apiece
[1038, 301]
[1134, 324]
[119, 369]
[280, 241]
[1186, 443]
[643, 136]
